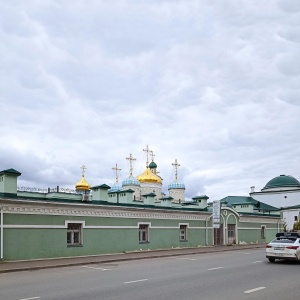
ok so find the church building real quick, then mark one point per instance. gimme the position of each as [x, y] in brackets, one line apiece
[282, 192]
[135, 215]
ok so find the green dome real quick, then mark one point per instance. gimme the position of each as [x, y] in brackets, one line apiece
[152, 165]
[282, 181]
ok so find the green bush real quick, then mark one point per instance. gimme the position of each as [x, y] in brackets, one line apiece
[296, 226]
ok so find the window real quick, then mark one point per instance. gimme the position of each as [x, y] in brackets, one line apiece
[74, 234]
[183, 233]
[295, 218]
[263, 232]
[144, 233]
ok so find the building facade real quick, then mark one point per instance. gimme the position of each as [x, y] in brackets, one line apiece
[135, 216]
[282, 192]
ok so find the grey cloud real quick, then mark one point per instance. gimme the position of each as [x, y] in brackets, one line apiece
[290, 6]
[214, 85]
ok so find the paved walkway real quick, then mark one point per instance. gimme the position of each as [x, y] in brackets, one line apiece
[16, 266]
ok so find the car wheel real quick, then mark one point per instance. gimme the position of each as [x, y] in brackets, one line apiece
[271, 260]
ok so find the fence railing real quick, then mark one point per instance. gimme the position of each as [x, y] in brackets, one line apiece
[46, 190]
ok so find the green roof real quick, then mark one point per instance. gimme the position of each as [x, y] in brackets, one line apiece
[282, 181]
[166, 198]
[290, 207]
[200, 197]
[102, 186]
[242, 200]
[150, 194]
[11, 171]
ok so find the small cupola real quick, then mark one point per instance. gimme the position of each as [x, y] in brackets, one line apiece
[82, 185]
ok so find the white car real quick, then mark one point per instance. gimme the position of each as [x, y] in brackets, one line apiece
[285, 246]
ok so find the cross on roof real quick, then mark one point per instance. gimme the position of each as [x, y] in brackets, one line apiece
[147, 153]
[131, 159]
[152, 155]
[176, 165]
[83, 167]
[116, 169]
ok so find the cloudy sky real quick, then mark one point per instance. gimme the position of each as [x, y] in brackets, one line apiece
[213, 84]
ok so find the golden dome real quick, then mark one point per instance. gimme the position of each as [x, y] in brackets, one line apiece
[148, 176]
[82, 185]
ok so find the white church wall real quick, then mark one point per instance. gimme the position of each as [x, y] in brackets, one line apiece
[290, 217]
[278, 199]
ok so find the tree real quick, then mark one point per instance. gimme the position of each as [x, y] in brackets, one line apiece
[296, 226]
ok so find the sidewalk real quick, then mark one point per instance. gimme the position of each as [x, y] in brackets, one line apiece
[16, 266]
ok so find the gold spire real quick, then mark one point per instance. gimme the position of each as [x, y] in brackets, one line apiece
[82, 185]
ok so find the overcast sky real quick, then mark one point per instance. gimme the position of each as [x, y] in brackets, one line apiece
[213, 84]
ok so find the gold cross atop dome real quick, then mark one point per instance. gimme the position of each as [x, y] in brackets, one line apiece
[116, 169]
[176, 165]
[83, 167]
[147, 155]
[152, 155]
[82, 185]
[131, 159]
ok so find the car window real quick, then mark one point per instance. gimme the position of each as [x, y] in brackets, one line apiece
[284, 240]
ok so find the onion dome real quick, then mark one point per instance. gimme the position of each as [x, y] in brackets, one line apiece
[152, 165]
[176, 185]
[282, 181]
[82, 185]
[115, 187]
[148, 176]
[130, 181]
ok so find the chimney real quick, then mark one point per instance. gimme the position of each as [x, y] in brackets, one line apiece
[252, 189]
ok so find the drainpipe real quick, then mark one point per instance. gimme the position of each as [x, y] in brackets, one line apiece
[1, 233]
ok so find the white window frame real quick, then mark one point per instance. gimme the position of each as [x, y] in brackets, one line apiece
[81, 225]
[183, 233]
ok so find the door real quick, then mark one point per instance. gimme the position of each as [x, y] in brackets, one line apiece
[231, 234]
[218, 235]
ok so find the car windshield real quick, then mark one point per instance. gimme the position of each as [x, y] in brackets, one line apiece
[284, 240]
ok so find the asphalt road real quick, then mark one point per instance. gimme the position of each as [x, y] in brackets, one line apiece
[243, 274]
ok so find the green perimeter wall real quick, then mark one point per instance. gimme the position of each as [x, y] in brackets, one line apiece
[21, 243]
[251, 232]
[35, 243]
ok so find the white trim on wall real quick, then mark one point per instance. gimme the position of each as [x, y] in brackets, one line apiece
[87, 212]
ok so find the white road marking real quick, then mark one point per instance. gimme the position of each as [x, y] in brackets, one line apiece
[255, 290]
[31, 298]
[258, 261]
[215, 268]
[185, 258]
[135, 281]
[241, 252]
[96, 268]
